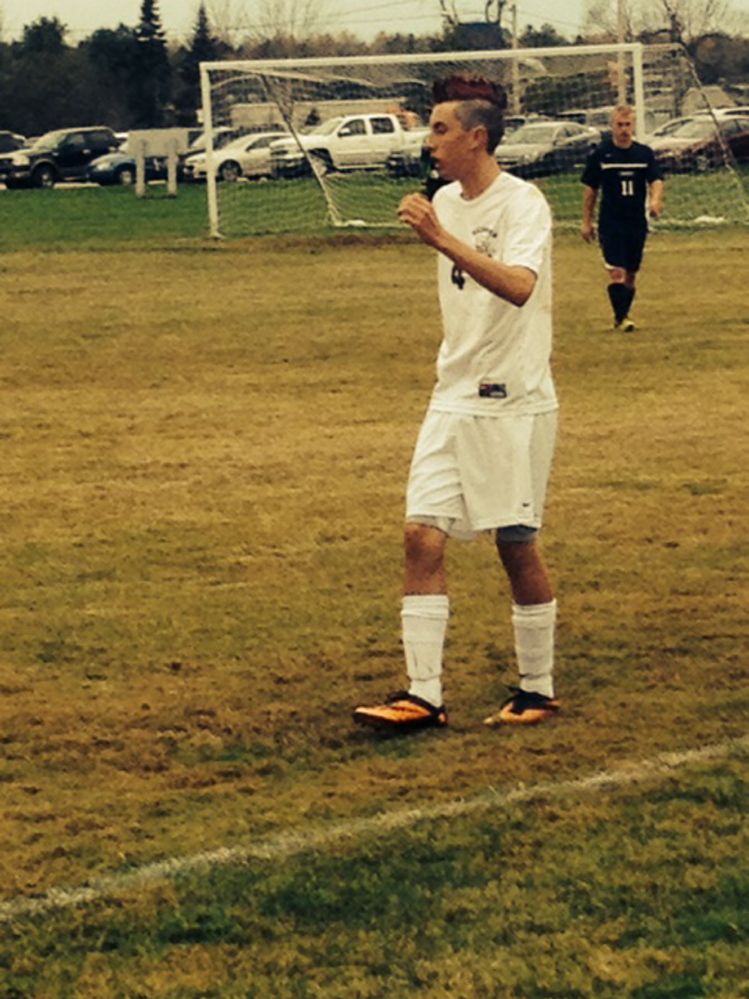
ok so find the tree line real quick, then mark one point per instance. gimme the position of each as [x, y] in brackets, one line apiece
[131, 77]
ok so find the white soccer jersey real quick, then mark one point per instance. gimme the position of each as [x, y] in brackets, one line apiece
[495, 357]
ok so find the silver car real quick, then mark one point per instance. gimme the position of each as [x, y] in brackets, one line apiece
[248, 156]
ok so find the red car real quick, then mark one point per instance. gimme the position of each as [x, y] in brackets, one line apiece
[699, 144]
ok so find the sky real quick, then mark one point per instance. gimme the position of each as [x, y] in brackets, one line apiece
[363, 18]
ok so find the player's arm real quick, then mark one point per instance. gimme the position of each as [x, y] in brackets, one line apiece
[656, 198]
[513, 283]
[588, 226]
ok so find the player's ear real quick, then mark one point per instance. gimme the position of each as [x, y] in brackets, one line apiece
[482, 136]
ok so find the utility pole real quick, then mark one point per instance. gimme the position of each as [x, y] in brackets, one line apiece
[515, 102]
[621, 31]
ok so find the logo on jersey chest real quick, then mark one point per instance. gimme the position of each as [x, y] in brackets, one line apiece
[485, 241]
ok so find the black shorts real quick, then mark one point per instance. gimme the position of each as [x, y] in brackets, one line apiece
[622, 248]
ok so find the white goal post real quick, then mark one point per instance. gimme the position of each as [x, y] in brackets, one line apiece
[328, 143]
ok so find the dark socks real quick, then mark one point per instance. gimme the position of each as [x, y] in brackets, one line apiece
[621, 299]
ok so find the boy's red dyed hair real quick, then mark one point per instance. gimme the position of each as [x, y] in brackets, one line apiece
[461, 87]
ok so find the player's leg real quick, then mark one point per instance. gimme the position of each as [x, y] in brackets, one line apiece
[425, 610]
[626, 324]
[620, 299]
[424, 547]
[619, 295]
[635, 249]
[530, 442]
[534, 614]
[614, 249]
[526, 569]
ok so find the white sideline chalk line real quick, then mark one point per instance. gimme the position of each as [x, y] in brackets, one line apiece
[289, 844]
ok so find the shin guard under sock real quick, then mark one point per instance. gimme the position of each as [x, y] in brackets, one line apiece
[534, 626]
[424, 620]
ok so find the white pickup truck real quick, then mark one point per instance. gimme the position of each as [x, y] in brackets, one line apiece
[353, 142]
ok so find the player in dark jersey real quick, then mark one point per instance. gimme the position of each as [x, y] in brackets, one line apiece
[628, 176]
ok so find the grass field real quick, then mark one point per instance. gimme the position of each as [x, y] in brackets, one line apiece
[204, 454]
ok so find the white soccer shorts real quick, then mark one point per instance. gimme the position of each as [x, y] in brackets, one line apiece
[471, 474]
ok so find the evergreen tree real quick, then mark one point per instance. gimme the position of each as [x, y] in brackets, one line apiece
[204, 47]
[150, 89]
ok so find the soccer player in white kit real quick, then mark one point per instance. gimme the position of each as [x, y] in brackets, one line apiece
[484, 452]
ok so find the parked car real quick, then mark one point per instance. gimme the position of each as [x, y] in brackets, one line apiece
[350, 142]
[9, 142]
[61, 155]
[699, 144]
[674, 124]
[247, 156]
[667, 128]
[541, 148]
[222, 135]
[599, 118]
[513, 122]
[120, 167]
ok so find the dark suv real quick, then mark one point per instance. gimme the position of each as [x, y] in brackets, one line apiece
[61, 155]
[9, 141]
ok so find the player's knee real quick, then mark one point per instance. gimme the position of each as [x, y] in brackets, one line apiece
[516, 548]
[424, 546]
[617, 275]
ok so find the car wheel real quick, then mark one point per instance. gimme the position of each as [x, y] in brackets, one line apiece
[126, 176]
[702, 163]
[323, 159]
[230, 170]
[44, 176]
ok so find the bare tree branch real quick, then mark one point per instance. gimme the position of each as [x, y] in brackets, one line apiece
[497, 17]
[685, 20]
[229, 19]
[449, 13]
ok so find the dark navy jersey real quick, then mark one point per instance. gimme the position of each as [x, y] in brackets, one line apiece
[622, 176]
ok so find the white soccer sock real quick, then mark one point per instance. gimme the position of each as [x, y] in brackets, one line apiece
[534, 646]
[424, 620]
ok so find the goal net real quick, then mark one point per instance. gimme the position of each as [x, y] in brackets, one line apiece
[333, 143]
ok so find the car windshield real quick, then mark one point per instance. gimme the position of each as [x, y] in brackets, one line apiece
[535, 135]
[669, 127]
[239, 143]
[325, 127]
[698, 128]
[220, 139]
[48, 141]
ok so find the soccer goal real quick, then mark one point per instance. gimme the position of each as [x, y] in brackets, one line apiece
[334, 143]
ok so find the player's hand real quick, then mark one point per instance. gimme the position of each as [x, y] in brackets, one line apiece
[588, 232]
[418, 212]
[656, 209]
